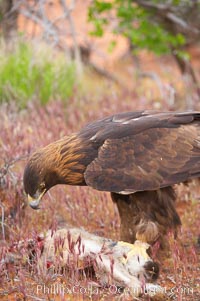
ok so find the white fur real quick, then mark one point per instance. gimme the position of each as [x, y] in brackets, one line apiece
[126, 260]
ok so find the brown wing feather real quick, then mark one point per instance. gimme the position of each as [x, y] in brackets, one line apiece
[153, 158]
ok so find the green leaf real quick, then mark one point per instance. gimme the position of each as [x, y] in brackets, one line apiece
[112, 45]
[102, 6]
[139, 25]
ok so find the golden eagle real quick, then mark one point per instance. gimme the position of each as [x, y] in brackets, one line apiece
[137, 156]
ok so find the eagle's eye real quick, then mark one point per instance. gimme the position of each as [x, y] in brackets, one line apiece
[42, 186]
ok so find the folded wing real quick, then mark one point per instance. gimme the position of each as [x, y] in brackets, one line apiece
[147, 157]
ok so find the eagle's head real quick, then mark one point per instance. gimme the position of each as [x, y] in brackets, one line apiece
[40, 175]
[36, 180]
[57, 163]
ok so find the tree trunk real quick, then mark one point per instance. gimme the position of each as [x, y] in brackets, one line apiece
[190, 81]
[8, 19]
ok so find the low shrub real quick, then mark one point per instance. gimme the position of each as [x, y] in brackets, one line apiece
[29, 72]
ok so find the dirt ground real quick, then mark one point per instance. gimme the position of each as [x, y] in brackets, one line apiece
[80, 207]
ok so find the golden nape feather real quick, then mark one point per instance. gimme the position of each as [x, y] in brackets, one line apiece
[137, 156]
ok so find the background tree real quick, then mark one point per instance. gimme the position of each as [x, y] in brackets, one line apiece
[164, 27]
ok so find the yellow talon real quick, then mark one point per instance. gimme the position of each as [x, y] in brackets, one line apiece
[138, 248]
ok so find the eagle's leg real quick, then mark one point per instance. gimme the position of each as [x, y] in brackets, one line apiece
[147, 215]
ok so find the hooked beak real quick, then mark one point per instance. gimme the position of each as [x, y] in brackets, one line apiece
[35, 201]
